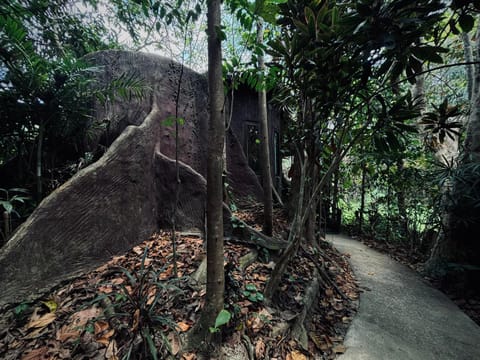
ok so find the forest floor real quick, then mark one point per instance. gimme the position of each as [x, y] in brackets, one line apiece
[137, 301]
[401, 316]
[469, 302]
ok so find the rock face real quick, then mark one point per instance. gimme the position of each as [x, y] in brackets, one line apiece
[128, 194]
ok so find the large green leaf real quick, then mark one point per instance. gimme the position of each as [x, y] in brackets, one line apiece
[223, 318]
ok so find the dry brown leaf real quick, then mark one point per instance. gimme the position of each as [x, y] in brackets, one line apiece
[100, 326]
[255, 323]
[36, 354]
[166, 273]
[339, 349]
[138, 250]
[189, 356]
[296, 355]
[66, 333]
[174, 343]
[259, 349]
[182, 326]
[151, 295]
[136, 319]
[117, 281]
[105, 289]
[42, 321]
[105, 338]
[111, 351]
[36, 333]
[81, 318]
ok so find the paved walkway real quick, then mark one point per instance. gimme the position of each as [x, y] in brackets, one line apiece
[401, 317]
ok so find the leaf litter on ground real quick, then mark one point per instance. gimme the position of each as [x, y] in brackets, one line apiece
[74, 321]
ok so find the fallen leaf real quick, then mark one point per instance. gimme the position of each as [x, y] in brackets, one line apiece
[183, 326]
[296, 355]
[339, 349]
[117, 281]
[259, 349]
[136, 319]
[105, 289]
[111, 351]
[36, 354]
[138, 250]
[51, 305]
[189, 356]
[105, 338]
[41, 322]
[100, 326]
[66, 333]
[151, 295]
[81, 318]
[174, 343]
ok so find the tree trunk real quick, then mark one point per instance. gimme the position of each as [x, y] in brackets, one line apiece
[215, 276]
[467, 50]
[265, 144]
[41, 132]
[216, 133]
[362, 197]
[402, 207]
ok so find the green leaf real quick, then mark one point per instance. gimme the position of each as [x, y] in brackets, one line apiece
[213, 329]
[151, 344]
[7, 206]
[260, 297]
[466, 22]
[428, 53]
[20, 308]
[223, 318]
[251, 287]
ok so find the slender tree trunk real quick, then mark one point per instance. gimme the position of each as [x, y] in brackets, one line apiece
[470, 69]
[216, 133]
[177, 172]
[402, 207]
[265, 144]
[41, 132]
[335, 210]
[362, 197]
[215, 271]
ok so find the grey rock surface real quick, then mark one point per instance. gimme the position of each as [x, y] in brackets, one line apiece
[401, 316]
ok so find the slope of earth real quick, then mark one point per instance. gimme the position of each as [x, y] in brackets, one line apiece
[140, 304]
[401, 316]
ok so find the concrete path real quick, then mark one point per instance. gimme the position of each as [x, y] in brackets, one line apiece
[401, 317]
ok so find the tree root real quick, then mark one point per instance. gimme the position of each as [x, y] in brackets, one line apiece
[238, 231]
[299, 333]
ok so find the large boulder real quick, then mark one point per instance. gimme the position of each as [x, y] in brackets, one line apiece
[128, 194]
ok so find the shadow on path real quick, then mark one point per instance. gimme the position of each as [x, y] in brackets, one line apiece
[401, 316]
